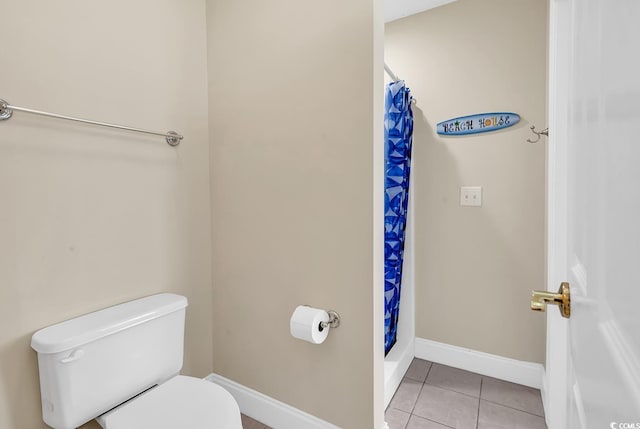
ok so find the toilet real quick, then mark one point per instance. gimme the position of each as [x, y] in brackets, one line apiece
[121, 365]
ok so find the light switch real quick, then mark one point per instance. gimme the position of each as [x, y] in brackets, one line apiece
[471, 196]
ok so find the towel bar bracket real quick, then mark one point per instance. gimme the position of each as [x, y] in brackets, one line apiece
[5, 110]
[173, 138]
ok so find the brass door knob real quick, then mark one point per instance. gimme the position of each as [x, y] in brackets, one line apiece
[540, 299]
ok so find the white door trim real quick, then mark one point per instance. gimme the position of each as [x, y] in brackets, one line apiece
[555, 398]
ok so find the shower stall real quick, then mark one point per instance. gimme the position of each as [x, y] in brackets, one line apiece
[398, 242]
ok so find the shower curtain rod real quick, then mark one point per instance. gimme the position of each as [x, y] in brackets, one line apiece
[391, 74]
[6, 110]
[395, 78]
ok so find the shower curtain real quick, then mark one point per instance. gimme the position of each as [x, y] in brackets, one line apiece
[398, 135]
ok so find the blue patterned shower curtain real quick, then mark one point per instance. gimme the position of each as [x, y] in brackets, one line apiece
[398, 135]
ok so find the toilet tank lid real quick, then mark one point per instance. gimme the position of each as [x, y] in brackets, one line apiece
[90, 327]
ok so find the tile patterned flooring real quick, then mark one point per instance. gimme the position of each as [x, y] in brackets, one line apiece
[249, 423]
[434, 396]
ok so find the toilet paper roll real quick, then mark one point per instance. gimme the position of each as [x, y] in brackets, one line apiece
[305, 324]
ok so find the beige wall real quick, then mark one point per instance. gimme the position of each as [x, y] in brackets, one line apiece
[475, 267]
[291, 120]
[92, 217]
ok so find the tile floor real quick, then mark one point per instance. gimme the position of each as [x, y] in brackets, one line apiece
[434, 396]
[249, 423]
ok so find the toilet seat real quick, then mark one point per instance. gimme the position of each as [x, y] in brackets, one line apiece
[182, 402]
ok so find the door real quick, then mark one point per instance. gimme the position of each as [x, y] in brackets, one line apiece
[593, 358]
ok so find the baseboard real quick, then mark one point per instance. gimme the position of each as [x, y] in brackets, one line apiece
[520, 372]
[544, 392]
[396, 364]
[269, 411]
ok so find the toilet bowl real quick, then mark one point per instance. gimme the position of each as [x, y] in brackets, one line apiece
[120, 366]
[181, 402]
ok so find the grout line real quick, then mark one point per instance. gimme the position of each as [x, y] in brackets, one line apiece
[428, 372]
[454, 391]
[430, 420]
[512, 408]
[478, 415]
[414, 405]
[403, 412]
[421, 387]
[479, 397]
[419, 392]
[407, 423]
[417, 397]
[441, 424]
[451, 390]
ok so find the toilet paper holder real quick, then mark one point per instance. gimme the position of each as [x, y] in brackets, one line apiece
[334, 320]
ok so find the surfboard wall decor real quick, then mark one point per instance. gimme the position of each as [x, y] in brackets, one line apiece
[479, 123]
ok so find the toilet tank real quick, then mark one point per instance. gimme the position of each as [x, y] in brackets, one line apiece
[94, 362]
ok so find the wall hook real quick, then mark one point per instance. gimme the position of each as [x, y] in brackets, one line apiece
[544, 132]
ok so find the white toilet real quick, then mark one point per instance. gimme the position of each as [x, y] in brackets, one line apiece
[120, 366]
